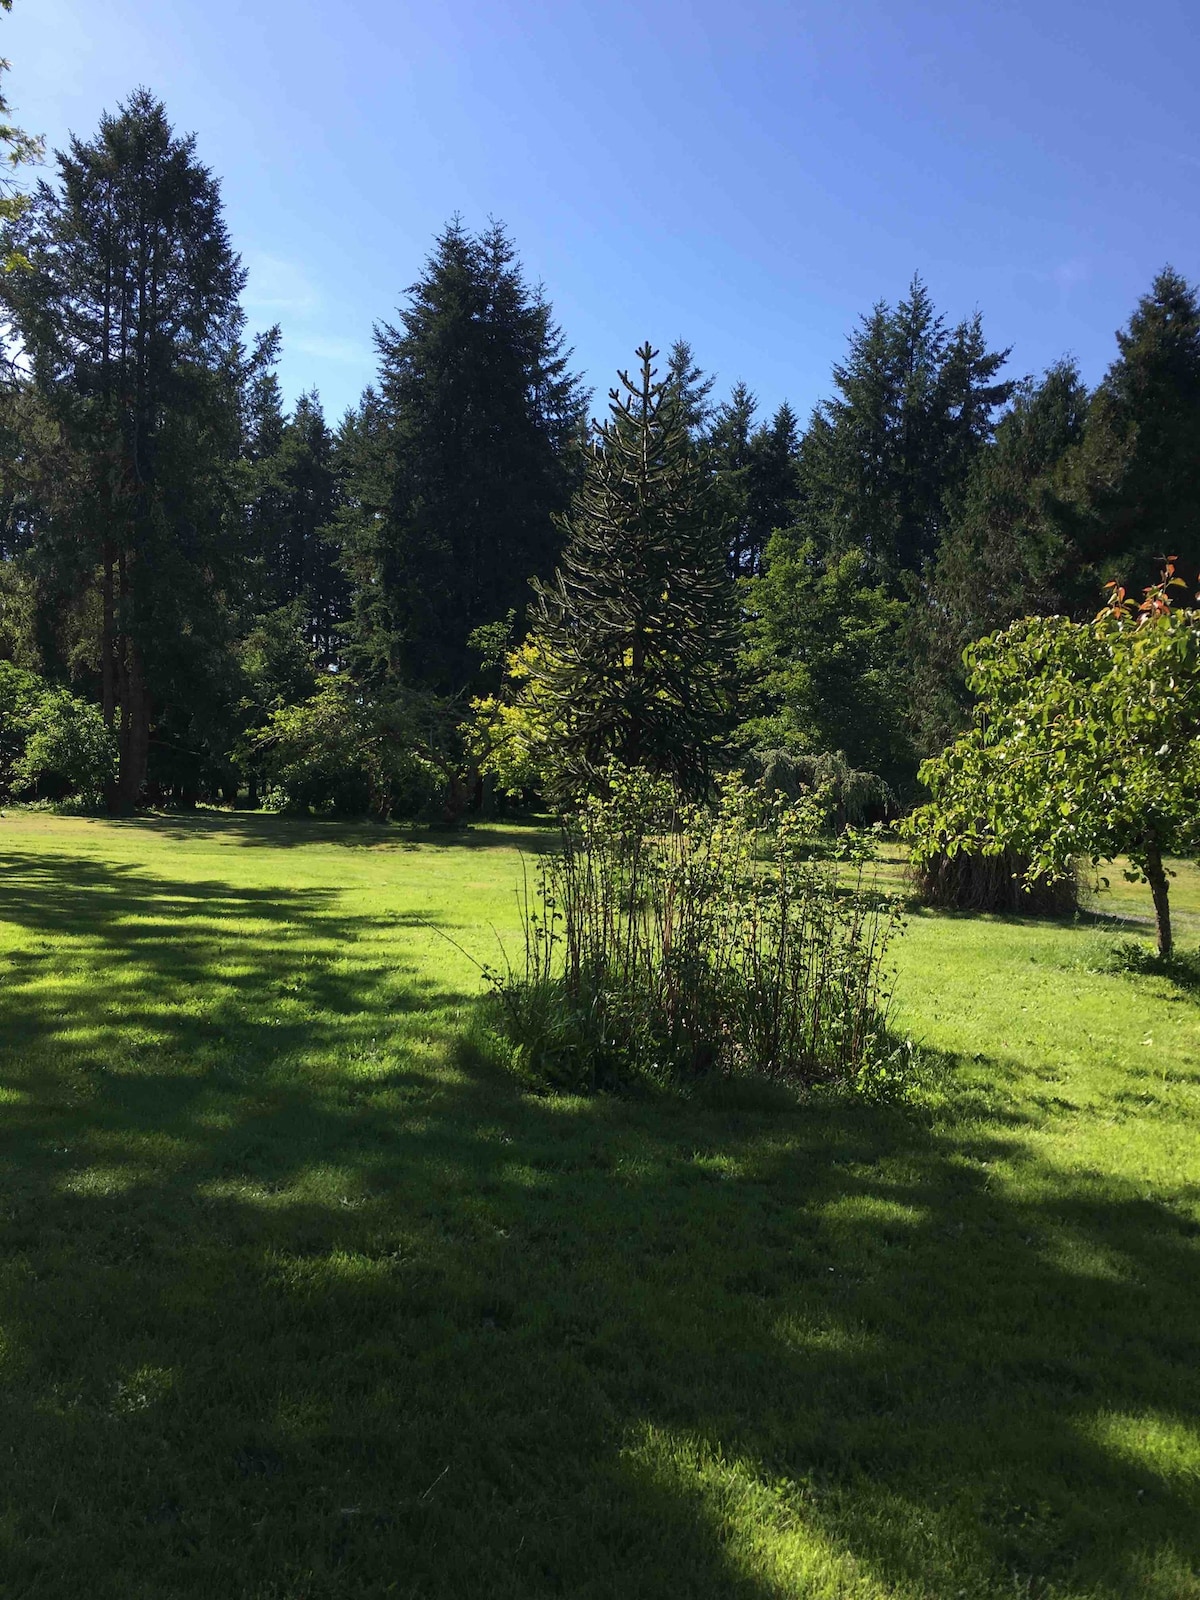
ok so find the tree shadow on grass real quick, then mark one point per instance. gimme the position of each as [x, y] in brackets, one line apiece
[392, 1326]
[1181, 971]
[276, 831]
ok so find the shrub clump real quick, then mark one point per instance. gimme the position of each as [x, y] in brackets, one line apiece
[970, 881]
[52, 744]
[669, 942]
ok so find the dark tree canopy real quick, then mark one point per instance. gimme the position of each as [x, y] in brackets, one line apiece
[690, 388]
[470, 452]
[883, 462]
[1137, 472]
[827, 662]
[1011, 550]
[293, 499]
[130, 318]
[754, 476]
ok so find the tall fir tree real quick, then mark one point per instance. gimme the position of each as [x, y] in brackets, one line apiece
[1010, 551]
[370, 555]
[130, 319]
[691, 389]
[878, 478]
[826, 663]
[292, 492]
[1075, 490]
[771, 487]
[754, 477]
[263, 423]
[728, 453]
[17, 149]
[308, 569]
[636, 634]
[476, 424]
[883, 462]
[1137, 471]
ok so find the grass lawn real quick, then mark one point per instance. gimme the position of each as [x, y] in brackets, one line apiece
[299, 1298]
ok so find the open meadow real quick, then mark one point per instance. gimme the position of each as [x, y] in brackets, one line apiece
[303, 1296]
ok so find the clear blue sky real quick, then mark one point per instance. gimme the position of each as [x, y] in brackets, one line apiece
[750, 176]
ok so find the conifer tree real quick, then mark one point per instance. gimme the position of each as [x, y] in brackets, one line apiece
[17, 149]
[729, 454]
[477, 425]
[826, 663]
[293, 501]
[1010, 550]
[130, 319]
[771, 486]
[308, 564]
[370, 555]
[263, 424]
[883, 463]
[636, 633]
[691, 388]
[1137, 471]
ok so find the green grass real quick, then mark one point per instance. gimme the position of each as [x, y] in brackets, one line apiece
[300, 1297]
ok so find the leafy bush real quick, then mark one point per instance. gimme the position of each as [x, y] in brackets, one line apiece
[661, 945]
[52, 744]
[20, 693]
[1136, 958]
[343, 753]
[516, 734]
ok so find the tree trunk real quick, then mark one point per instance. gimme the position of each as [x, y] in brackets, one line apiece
[455, 799]
[632, 754]
[108, 666]
[1160, 892]
[135, 732]
[108, 685]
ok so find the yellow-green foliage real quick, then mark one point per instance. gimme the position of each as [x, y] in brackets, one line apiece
[515, 731]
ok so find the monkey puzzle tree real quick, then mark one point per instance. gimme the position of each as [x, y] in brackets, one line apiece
[1086, 742]
[636, 633]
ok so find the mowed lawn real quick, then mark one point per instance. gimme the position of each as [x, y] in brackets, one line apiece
[303, 1297]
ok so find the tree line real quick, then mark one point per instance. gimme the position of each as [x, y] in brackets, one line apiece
[464, 586]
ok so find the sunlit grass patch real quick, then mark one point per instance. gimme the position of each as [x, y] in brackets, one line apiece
[1166, 1445]
[302, 1296]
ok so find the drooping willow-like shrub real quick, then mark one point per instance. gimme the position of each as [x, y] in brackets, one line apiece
[968, 881]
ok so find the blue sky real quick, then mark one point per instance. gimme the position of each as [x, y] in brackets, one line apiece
[751, 177]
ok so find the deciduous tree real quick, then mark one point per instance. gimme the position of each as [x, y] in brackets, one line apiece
[1086, 742]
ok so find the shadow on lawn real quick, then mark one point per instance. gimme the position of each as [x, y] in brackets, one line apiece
[398, 1328]
[279, 831]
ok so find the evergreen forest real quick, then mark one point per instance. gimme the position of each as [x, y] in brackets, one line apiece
[379, 614]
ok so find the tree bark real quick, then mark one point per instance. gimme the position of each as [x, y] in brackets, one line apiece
[108, 668]
[108, 687]
[455, 799]
[1160, 893]
[135, 733]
